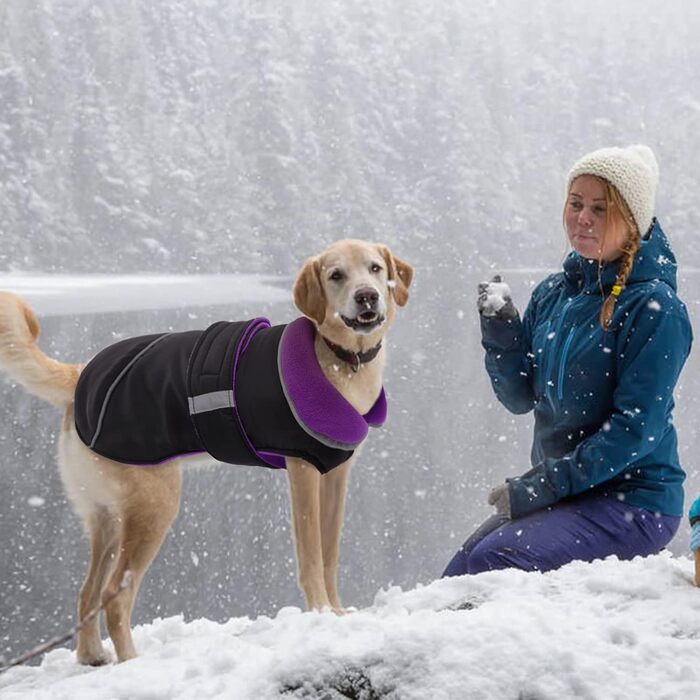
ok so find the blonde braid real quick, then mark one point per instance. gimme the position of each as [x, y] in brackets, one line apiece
[617, 207]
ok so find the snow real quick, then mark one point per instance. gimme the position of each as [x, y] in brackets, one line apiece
[609, 630]
[497, 294]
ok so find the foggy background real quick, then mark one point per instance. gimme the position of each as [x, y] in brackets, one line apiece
[205, 137]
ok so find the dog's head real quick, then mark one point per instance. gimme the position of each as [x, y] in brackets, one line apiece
[351, 291]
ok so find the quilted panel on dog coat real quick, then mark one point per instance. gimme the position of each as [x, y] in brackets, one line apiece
[244, 392]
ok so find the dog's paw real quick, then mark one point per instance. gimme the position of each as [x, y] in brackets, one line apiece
[95, 658]
[89, 649]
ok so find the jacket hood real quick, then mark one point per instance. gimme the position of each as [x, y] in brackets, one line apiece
[654, 261]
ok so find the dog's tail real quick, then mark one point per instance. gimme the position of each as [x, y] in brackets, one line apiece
[20, 357]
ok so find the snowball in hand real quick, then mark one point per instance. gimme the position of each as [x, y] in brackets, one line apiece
[497, 294]
[493, 297]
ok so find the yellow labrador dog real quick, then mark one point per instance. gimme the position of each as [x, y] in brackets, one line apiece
[136, 411]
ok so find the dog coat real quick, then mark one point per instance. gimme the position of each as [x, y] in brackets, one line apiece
[245, 392]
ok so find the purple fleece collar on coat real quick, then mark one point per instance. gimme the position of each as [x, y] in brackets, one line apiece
[317, 405]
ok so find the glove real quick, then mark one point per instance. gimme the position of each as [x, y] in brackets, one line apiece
[494, 300]
[499, 498]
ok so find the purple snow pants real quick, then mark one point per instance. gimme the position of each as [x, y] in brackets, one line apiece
[583, 528]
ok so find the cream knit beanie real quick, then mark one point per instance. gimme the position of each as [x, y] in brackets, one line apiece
[633, 170]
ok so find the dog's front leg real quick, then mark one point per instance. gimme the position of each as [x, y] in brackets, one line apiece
[333, 489]
[304, 488]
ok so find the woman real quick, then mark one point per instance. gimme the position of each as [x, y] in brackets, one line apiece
[597, 355]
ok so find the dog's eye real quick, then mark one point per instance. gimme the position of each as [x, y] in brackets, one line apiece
[336, 276]
[374, 267]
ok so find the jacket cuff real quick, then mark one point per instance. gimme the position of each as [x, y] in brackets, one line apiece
[499, 334]
[530, 493]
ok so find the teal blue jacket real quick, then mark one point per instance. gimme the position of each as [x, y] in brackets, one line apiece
[694, 514]
[602, 400]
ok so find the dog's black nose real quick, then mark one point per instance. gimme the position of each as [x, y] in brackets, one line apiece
[367, 297]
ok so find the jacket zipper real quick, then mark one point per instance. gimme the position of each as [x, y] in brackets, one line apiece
[560, 323]
[546, 356]
[562, 365]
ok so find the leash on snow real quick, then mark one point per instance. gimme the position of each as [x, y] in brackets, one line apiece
[57, 641]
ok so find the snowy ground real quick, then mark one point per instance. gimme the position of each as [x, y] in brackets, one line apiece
[605, 630]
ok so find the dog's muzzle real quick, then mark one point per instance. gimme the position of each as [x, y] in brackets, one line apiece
[368, 315]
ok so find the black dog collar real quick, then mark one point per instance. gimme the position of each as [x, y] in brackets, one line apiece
[354, 359]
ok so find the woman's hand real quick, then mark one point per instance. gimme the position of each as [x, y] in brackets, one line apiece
[494, 300]
[499, 498]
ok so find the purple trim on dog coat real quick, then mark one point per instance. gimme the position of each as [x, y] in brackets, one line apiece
[376, 416]
[272, 459]
[319, 408]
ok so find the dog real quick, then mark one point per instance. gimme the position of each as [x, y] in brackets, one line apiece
[348, 296]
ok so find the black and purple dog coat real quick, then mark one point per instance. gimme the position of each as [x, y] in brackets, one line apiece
[245, 392]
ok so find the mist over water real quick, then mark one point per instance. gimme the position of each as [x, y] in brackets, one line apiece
[210, 137]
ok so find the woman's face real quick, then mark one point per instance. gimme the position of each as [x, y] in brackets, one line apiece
[586, 221]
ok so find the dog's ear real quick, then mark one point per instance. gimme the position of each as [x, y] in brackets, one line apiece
[308, 293]
[400, 273]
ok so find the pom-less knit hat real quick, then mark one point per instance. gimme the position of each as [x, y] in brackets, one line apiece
[633, 170]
